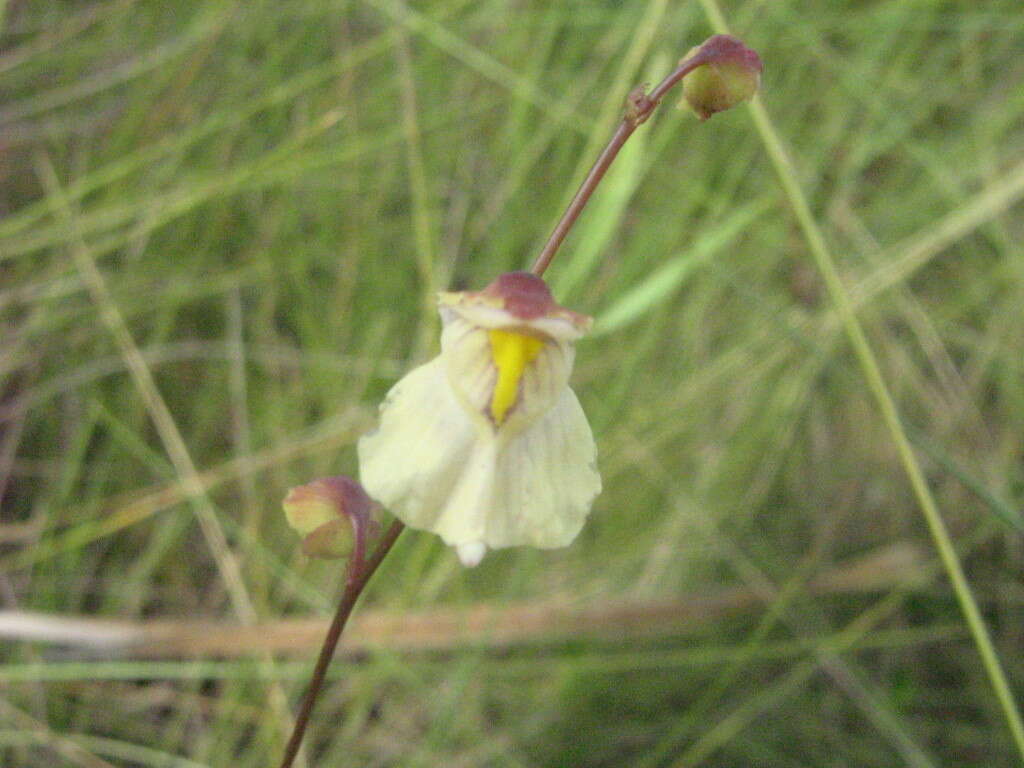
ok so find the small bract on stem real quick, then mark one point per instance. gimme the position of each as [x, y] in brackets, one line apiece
[735, 79]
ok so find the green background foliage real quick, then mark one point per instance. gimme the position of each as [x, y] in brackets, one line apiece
[252, 204]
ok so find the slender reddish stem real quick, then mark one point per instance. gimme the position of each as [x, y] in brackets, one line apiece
[359, 574]
[639, 108]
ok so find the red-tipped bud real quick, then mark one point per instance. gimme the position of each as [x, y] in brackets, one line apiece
[328, 513]
[731, 74]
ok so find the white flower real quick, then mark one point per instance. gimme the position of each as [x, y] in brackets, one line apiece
[486, 445]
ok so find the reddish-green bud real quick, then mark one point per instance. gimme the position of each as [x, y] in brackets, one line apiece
[731, 74]
[327, 513]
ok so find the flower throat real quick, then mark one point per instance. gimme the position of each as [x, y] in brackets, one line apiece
[511, 352]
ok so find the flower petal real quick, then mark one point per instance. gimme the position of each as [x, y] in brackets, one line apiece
[437, 471]
[516, 300]
[414, 462]
[545, 480]
[471, 553]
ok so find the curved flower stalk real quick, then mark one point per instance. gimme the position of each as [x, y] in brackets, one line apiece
[486, 445]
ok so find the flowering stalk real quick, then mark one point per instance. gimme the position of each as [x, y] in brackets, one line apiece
[360, 570]
[717, 50]
[731, 75]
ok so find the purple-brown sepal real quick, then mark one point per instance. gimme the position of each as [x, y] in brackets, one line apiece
[328, 513]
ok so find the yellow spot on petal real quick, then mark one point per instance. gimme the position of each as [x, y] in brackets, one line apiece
[511, 352]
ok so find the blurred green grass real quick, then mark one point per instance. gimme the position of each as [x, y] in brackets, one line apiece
[272, 192]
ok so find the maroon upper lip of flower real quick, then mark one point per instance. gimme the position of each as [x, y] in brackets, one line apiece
[527, 297]
[522, 294]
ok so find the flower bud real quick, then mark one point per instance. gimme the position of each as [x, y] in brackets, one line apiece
[731, 74]
[327, 513]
